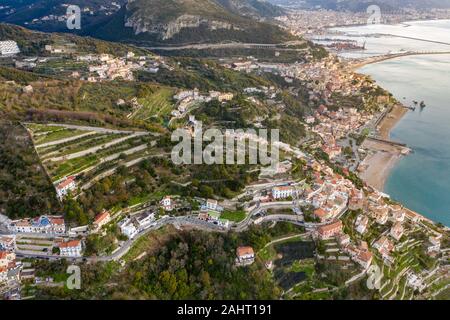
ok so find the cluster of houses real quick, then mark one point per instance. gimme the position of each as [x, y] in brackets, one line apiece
[106, 9]
[10, 268]
[211, 211]
[131, 226]
[358, 253]
[188, 98]
[54, 225]
[105, 67]
[322, 78]
[329, 194]
[334, 125]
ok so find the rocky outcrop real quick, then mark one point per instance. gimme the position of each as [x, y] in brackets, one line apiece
[168, 30]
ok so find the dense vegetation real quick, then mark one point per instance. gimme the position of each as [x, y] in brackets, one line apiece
[181, 265]
[25, 188]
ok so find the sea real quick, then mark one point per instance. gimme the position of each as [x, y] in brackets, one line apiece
[421, 181]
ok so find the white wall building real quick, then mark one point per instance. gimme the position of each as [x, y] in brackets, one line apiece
[8, 242]
[70, 249]
[64, 187]
[9, 48]
[128, 228]
[145, 220]
[211, 204]
[42, 224]
[361, 224]
[245, 256]
[283, 192]
[166, 203]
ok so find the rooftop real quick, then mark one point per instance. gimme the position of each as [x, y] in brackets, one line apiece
[70, 244]
[243, 251]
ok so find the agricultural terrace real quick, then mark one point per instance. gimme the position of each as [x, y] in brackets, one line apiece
[88, 152]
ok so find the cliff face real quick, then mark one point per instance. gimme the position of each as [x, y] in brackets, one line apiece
[166, 31]
[148, 22]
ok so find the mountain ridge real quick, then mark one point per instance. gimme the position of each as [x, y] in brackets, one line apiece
[189, 21]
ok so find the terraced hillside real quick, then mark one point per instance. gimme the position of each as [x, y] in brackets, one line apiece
[90, 153]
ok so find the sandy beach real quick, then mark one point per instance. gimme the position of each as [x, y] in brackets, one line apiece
[390, 120]
[382, 156]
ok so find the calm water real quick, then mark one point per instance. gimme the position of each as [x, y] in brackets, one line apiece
[421, 181]
[410, 36]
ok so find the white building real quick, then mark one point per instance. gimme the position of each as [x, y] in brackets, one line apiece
[9, 48]
[102, 219]
[361, 223]
[434, 244]
[211, 204]
[283, 192]
[42, 224]
[415, 282]
[397, 231]
[166, 203]
[64, 187]
[8, 242]
[128, 228]
[145, 220]
[70, 249]
[310, 120]
[245, 256]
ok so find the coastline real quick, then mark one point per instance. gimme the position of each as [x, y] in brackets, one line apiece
[382, 156]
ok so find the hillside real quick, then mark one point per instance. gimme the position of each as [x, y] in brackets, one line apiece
[48, 15]
[253, 8]
[189, 21]
[154, 21]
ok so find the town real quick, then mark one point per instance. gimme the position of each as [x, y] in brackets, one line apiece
[317, 188]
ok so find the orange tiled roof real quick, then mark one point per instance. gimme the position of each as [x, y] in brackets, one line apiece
[242, 251]
[70, 244]
[66, 182]
[330, 227]
[101, 216]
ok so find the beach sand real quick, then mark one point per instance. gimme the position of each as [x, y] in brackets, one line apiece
[378, 167]
[382, 157]
[390, 120]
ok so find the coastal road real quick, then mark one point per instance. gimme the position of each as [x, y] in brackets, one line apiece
[232, 45]
[191, 221]
[186, 221]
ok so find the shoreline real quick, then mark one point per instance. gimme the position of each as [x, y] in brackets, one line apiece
[383, 156]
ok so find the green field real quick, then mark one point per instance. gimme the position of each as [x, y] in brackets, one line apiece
[235, 216]
[73, 166]
[58, 135]
[155, 104]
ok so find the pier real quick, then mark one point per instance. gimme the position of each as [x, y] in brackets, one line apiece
[360, 63]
